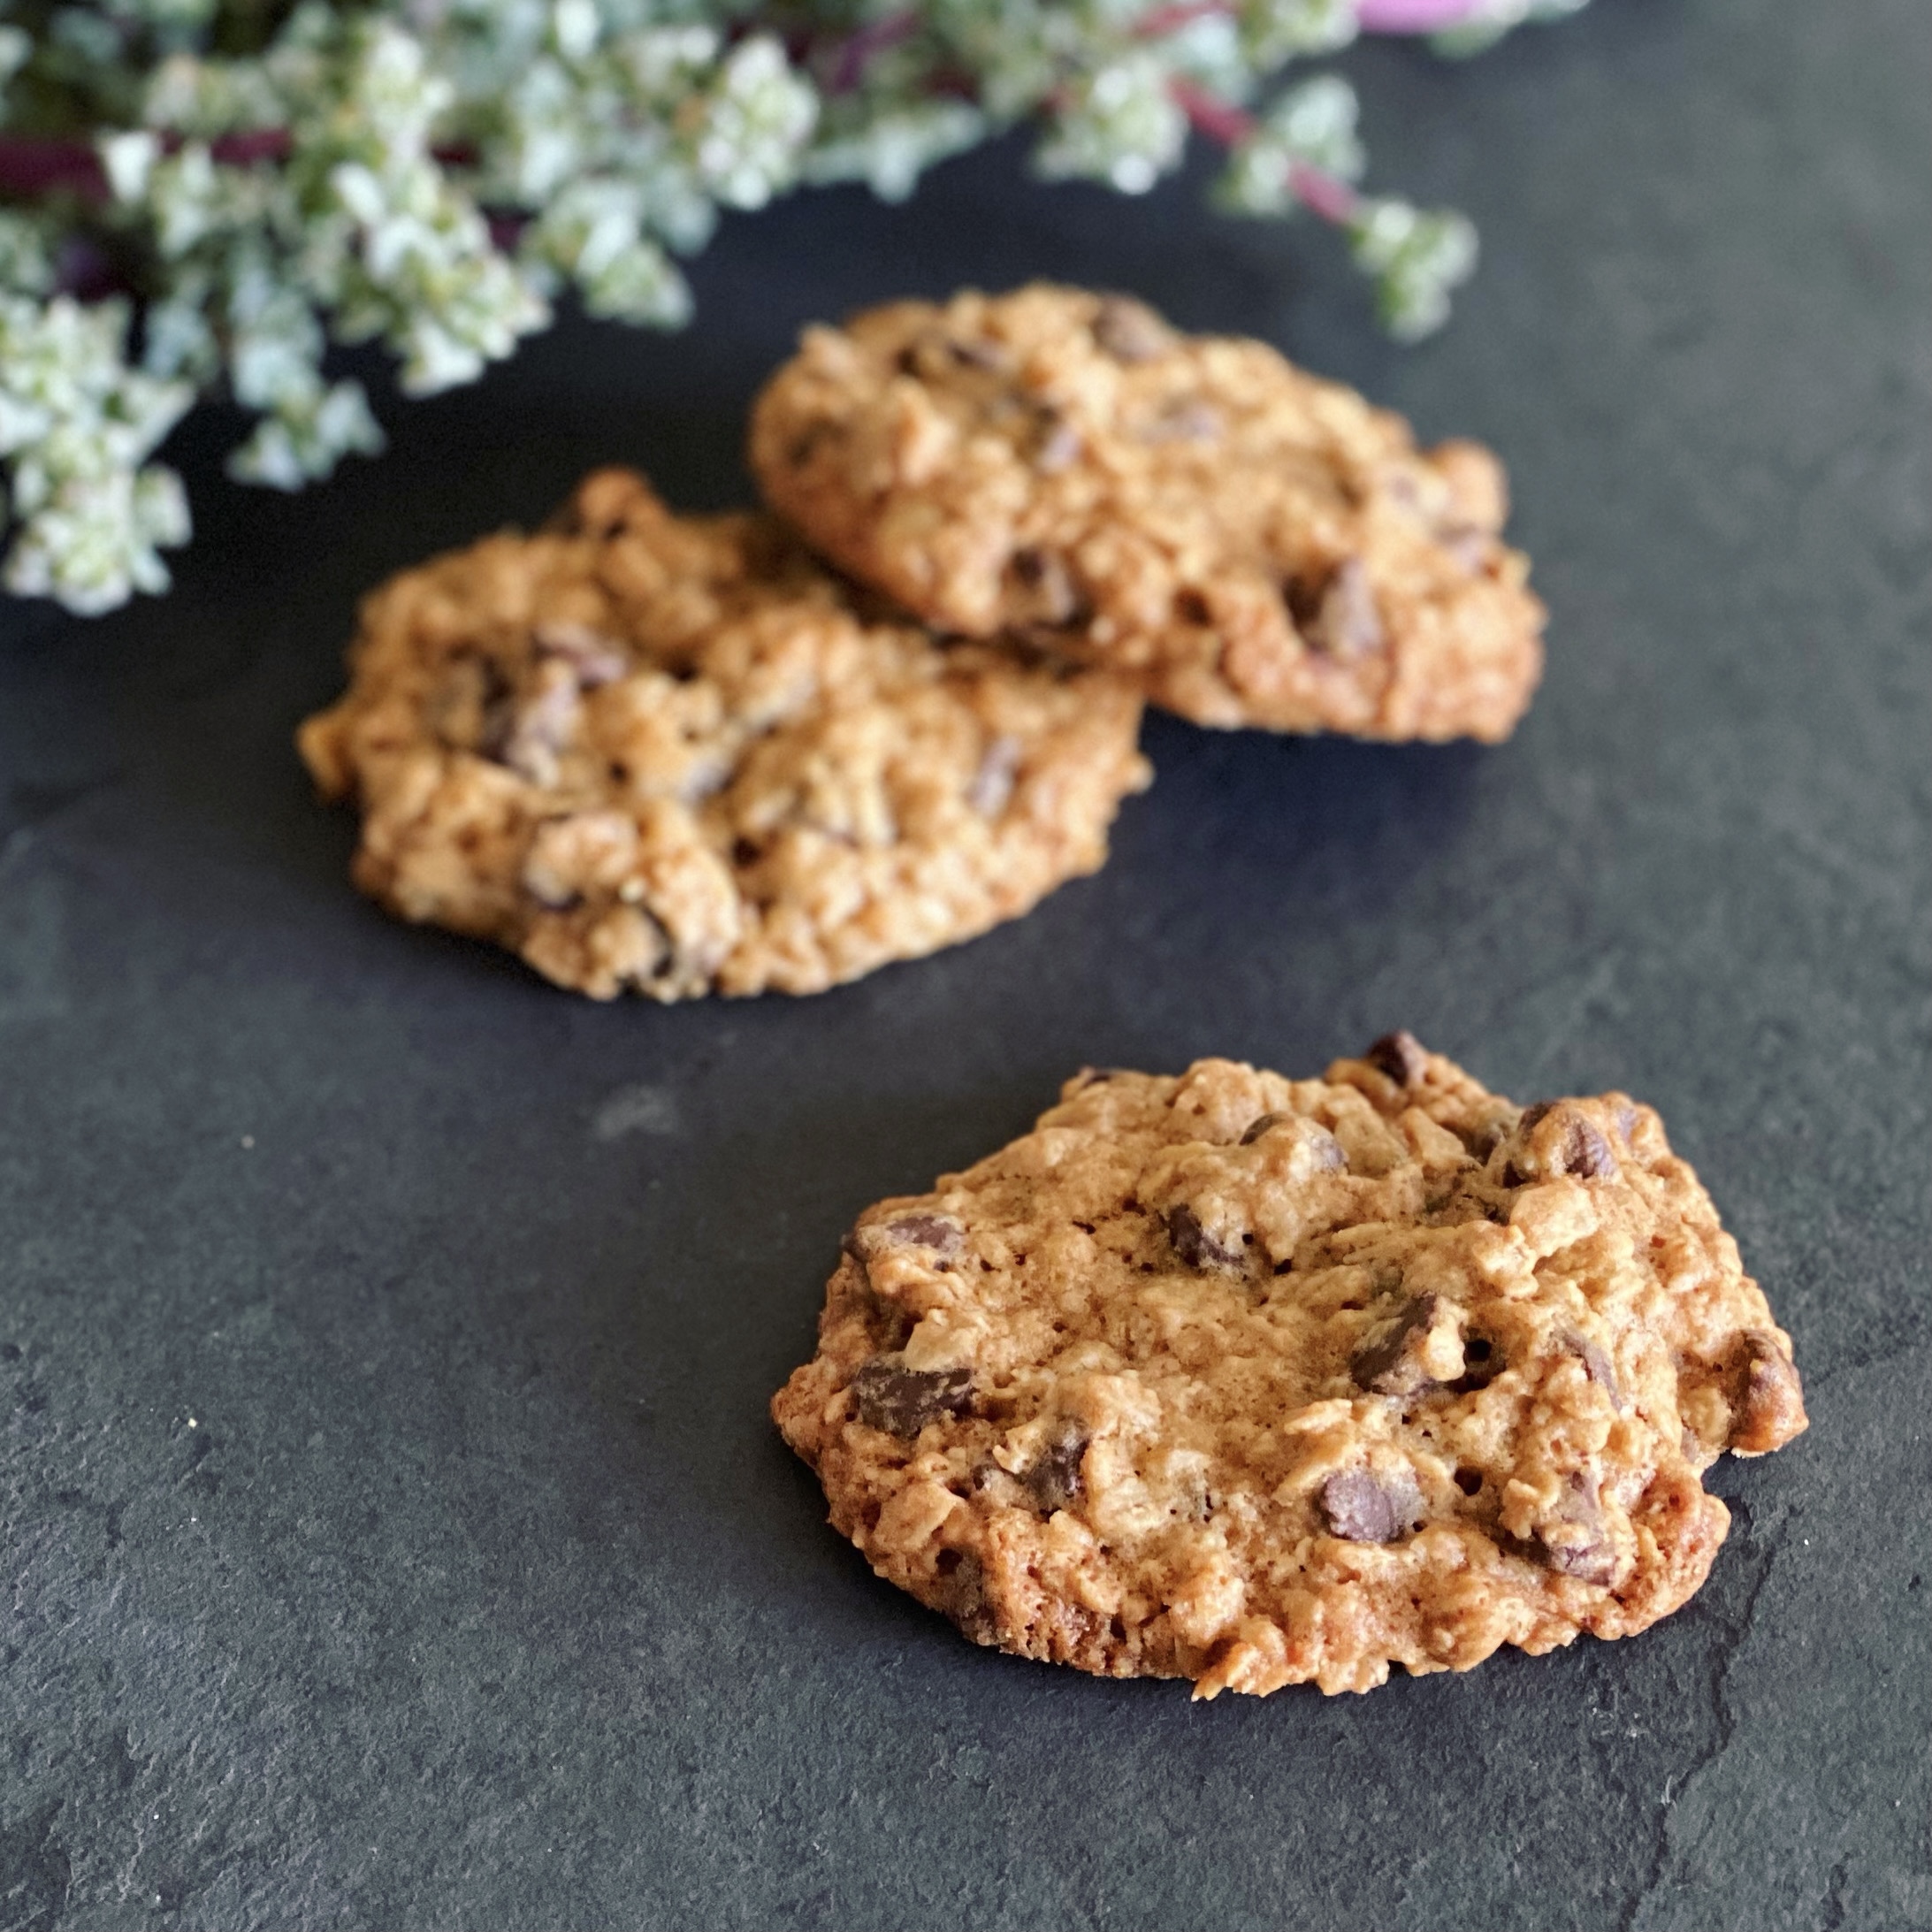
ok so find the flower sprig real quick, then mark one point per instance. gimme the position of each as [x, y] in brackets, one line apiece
[199, 196]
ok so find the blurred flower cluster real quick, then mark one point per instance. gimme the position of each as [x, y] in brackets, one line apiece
[197, 197]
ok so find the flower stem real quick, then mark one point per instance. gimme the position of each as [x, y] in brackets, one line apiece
[1322, 194]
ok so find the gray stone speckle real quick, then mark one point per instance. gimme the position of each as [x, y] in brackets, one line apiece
[639, 1109]
[480, 1592]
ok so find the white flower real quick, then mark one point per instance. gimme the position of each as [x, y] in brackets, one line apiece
[127, 158]
[1119, 124]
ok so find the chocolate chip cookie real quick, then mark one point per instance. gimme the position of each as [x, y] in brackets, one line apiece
[1255, 1381]
[1252, 545]
[676, 755]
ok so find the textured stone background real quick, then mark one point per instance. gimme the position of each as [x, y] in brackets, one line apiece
[393, 1534]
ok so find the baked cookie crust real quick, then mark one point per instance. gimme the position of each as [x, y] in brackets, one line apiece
[675, 755]
[1257, 1381]
[1252, 545]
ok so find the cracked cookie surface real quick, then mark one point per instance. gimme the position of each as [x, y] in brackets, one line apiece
[675, 755]
[1252, 545]
[1257, 1381]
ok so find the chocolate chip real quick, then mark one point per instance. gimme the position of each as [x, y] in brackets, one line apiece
[805, 444]
[938, 1232]
[1052, 596]
[1769, 1408]
[1401, 1055]
[967, 1601]
[1129, 330]
[1059, 446]
[1327, 1152]
[529, 732]
[925, 355]
[1592, 1559]
[595, 660]
[1572, 1146]
[1259, 1126]
[933, 355]
[1596, 1366]
[1336, 615]
[1187, 419]
[1587, 1152]
[1194, 1245]
[902, 1400]
[1391, 1365]
[976, 351]
[1363, 1508]
[991, 786]
[1055, 1481]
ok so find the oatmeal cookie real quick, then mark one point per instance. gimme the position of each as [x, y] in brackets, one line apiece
[1252, 545]
[1254, 1381]
[675, 754]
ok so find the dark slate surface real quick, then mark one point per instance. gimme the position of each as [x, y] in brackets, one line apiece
[393, 1532]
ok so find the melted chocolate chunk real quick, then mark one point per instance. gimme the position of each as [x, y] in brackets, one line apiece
[1336, 615]
[527, 732]
[1596, 1366]
[1401, 1055]
[902, 1400]
[1194, 1245]
[938, 1232]
[1769, 1409]
[967, 1601]
[1391, 1365]
[1259, 1126]
[992, 784]
[1059, 446]
[1363, 1508]
[593, 659]
[980, 352]
[1590, 1559]
[1130, 331]
[1187, 419]
[1055, 1481]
